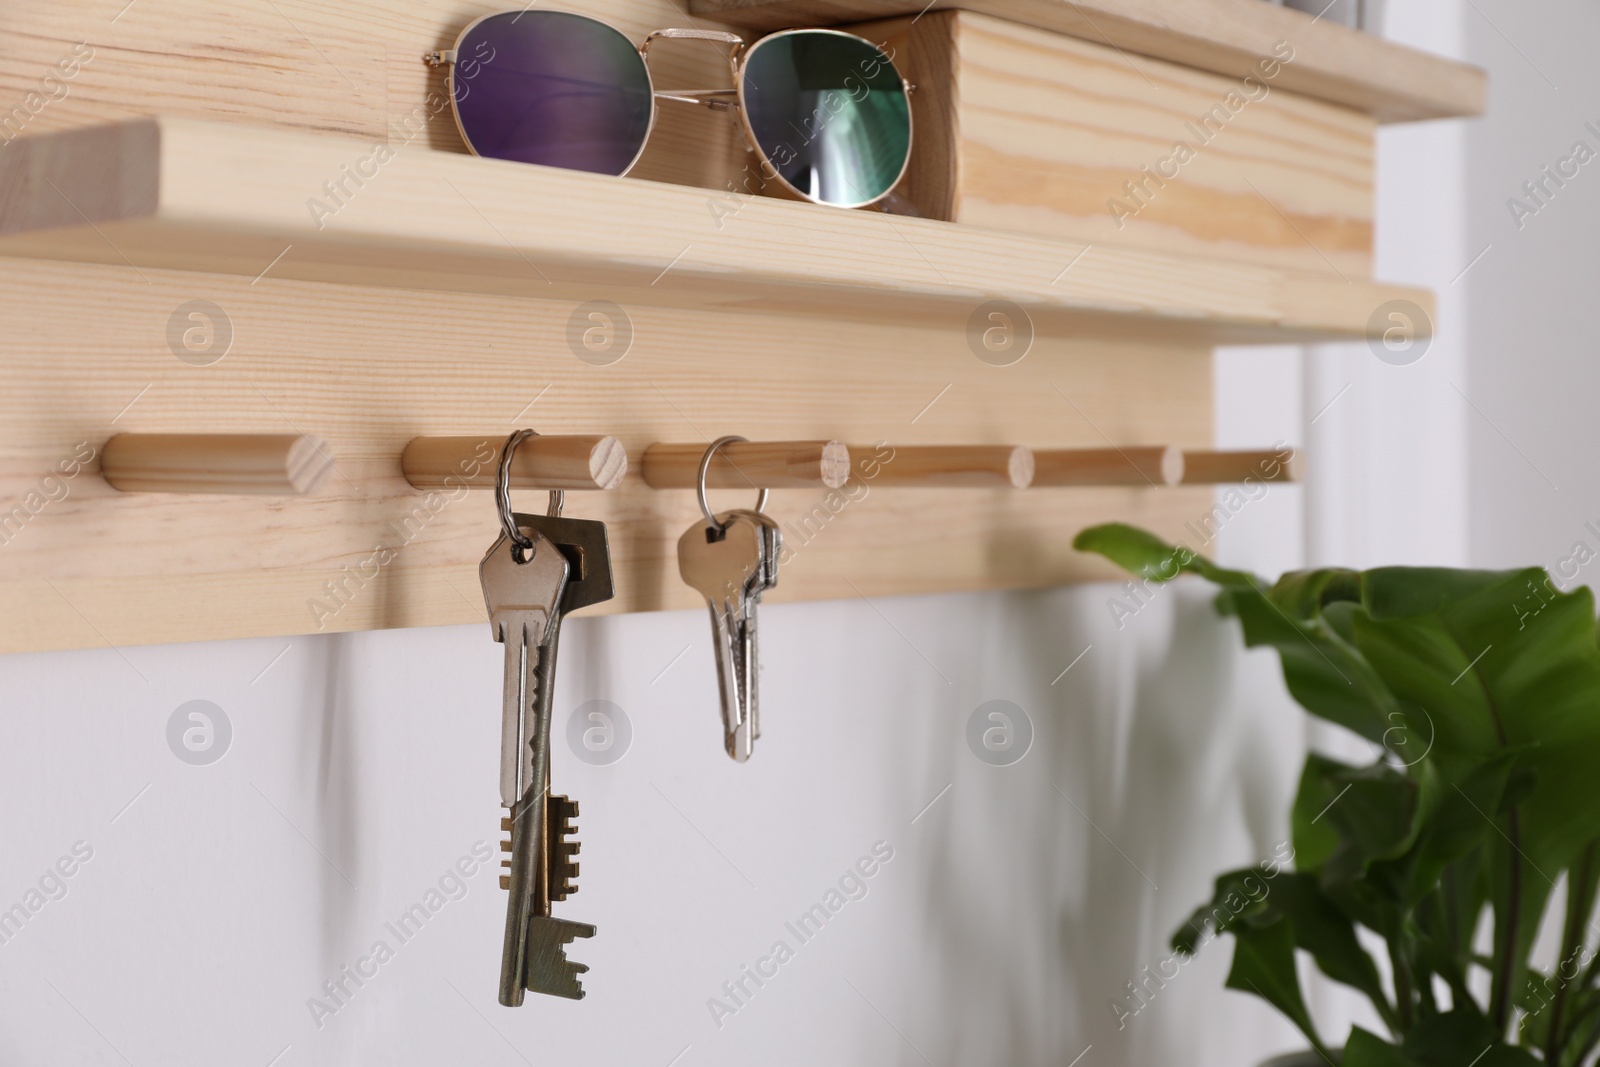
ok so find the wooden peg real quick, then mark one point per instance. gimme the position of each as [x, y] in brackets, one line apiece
[572, 461]
[749, 465]
[969, 466]
[1131, 465]
[260, 464]
[1224, 467]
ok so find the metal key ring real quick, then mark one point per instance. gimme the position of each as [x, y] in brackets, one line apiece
[502, 489]
[700, 481]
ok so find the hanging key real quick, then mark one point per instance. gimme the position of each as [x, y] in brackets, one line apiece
[542, 867]
[522, 589]
[771, 549]
[731, 559]
[589, 581]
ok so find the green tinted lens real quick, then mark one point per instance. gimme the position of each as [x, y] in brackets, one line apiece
[830, 113]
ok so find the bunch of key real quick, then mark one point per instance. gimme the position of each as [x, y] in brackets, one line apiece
[530, 582]
[731, 559]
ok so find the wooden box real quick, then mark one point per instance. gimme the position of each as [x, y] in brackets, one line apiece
[1018, 128]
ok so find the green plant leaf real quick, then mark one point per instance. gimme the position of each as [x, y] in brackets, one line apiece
[1520, 785]
[1364, 1049]
[1498, 674]
[1506, 1056]
[1324, 672]
[1323, 930]
[1306, 594]
[1316, 838]
[1445, 1044]
[1450, 1038]
[1456, 824]
[1447, 919]
[1373, 814]
[1142, 553]
[1376, 812]
[1236, 896]
[1533, 999]
[1584, 1033]
[1573, 995]
[1403, 592]
[1483, 687]
[1263, 964]
[1503, 664]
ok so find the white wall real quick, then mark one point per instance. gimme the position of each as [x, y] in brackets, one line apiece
[1019, 900]
[218, 898]
[1531, 318]
[1386, 443]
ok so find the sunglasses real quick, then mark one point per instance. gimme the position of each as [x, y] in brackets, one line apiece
[826, 111]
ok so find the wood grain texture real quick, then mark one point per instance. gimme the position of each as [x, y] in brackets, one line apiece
[748, 465]
[352, 68]
[241, 200]
[565, 461]
[1146, 465]
[370, 369]
[252, 464]
[1388, 81]
[1046, 134]
[220, 271]
[950, 466]
[1212, 467]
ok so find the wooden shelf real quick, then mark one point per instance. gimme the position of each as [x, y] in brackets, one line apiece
[1388, 81]
[194, 195]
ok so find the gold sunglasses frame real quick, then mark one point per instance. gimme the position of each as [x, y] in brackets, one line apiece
[716, 99]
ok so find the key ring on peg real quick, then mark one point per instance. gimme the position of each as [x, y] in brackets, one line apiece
[502, 492]
[700, 482]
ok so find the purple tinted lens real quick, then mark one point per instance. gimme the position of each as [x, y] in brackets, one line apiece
[554, 88]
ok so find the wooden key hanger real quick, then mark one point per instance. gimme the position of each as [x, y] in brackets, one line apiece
[257, 464]
[295, 464]
[553, 461]
[749, 465]
[1241, 465]
[1131, 465]
[945, 466]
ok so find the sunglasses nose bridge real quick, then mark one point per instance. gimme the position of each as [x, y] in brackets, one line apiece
[718, 36]
[716, 99]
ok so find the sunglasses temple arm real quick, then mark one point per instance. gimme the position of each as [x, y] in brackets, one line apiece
[716, 99]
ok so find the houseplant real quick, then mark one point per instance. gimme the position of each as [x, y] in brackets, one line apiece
[1480, 691]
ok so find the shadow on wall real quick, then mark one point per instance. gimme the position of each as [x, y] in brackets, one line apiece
[1163, 757]
[332, 790]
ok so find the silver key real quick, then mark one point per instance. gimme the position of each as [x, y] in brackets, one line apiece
[544, 967]
[543, 868]
[772, 547]
[731, 563]
[524, 602]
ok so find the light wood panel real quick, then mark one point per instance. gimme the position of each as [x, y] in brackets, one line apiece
[172, 276]
[1343, 66]
[1047, 134]
[370, 369]
[177, 193]
[353, 68]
